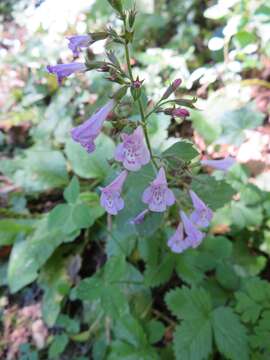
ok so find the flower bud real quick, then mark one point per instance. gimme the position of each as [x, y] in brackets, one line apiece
[176, 83]
[117, 5]
[120, 93]
[180, 112]
[99, 35]
[131, 18]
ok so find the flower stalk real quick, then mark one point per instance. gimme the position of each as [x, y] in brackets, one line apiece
[143, 118]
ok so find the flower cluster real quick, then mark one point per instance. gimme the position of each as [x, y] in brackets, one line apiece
[134, 150]
[187, 233]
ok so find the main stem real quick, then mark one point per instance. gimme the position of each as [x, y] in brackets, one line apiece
[139, 103]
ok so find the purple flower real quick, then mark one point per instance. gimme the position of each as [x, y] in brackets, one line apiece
[139, 218]
[194, 236]
[78, 42]
[202, 215]
[176, 242]
[180, 112]
[222, 165]
[64, 70]
[110, 198]
[176, 83]
[86, 133]
[158, 196]
[132, 152]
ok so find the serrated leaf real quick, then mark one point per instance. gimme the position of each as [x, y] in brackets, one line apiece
[230, 335]
[189, 304]
[215, 193]
[130, 330]
[252, 299]
[120, 350]
[71, 193]
[156, 275]
[115, 269]
[103, 286]
[260, 340]
[193, 339]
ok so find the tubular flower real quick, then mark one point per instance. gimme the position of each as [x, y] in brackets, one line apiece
[202, 215]
[78, 42]
[177, 243]
[110, 198]
[86, 133]
[64, 70]
[194, 236]
[132, 152]
[158, 196]
[139, 218]
[222, 165]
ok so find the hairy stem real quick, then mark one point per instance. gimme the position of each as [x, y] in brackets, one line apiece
[143, 118]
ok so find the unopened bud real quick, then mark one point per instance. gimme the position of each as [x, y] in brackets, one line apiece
[117, 5]
[176, 83]
[98, 36]
[180, 112]
[131, 18]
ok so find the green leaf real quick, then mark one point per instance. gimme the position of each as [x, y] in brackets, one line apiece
[244, 216]
[188, 269]
[227, 277]
[55, 283]
[215, 193]
[260, 339]
[120, 350]
[94, 165]
[61, 217]
[156, 275]
[40, 169]
[28, 256]
[230, 335]
[71, 326]
[193, 340]
[11, 228]
[71, 217]
[71, 193]
[82, 216]
[245, 38]
[115, 269]
[58, 346]
[189, 304]
[235, 123]
[130, 330]
[206, 126]
[251, 300]
[105, 288]
[155, 330]
[181, 150]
